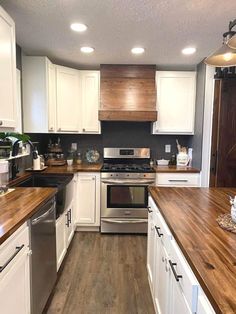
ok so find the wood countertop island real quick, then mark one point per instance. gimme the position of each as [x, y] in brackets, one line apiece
[18, 206]
[73, 169]
[175, 169]
[191, 216]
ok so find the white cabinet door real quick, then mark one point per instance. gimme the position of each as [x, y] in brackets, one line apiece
[90, 101]
[175, 102]
[7, 71]
[38, 86]
[86, 199]
[51, 97]
[68, 102]
[14, 275]
[69, 225]
[162, 280]
[151, 248]
[178, 303]
[60, 239]
[14, 287]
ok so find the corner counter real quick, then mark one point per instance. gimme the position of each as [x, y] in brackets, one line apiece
[190, 214]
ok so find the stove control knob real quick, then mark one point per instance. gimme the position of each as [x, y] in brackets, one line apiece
[127, 175]
[144, 175]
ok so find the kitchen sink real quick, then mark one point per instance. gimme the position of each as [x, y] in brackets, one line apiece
[61, 182]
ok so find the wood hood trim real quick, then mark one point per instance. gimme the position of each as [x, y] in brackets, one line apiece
[127, 115]
[128, 93]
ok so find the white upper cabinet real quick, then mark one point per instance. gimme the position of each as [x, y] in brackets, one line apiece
[90, 101]
[58, 99]
[175, 102]
[38, 75]
[7, 71]
[68, 108]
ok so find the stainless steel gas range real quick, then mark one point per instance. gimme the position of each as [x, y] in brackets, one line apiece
[125, 177]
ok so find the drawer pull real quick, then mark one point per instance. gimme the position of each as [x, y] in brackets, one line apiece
[178, 180]
[18, 249]
[158, 233]
[149, 210]
[177, 277]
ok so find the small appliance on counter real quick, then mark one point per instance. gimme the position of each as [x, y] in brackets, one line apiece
[55, 156]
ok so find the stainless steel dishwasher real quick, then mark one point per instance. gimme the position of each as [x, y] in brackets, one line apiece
[43, 260]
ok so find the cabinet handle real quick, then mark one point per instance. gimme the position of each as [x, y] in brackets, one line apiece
[1, 123]
[157, 230]
[18, 249]
[69, 216]
[180, 180]
[59, 129]
[84, 130]
[177, 277]
[149, 210]
[67, 219]
[51, 128]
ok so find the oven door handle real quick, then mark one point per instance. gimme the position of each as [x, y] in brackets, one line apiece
[125, 182]
[125, 221]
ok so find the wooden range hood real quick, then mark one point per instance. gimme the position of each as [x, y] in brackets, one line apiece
[128, 93]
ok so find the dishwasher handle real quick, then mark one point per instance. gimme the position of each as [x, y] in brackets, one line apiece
[37, 220]
[18, 249]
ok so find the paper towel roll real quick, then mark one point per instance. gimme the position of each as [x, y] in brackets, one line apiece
[36, 164]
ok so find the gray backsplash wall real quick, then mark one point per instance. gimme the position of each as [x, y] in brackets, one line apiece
[117, 134]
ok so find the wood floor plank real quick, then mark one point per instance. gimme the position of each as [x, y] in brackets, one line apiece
[103, 274]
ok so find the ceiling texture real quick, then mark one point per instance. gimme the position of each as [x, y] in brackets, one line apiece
[162, 27]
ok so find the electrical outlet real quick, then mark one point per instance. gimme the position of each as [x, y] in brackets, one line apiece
[74, 146]
[168, 148]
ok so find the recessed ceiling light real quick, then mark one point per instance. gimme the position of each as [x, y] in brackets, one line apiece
[137, 50]
[78, 27]
[86, 49]
[188, 50]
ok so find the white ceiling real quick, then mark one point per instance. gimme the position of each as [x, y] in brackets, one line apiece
[163, 27]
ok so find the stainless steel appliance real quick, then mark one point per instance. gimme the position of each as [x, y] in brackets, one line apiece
[43, 259]
[125, 177]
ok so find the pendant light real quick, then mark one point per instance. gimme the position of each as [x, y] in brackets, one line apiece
[232, 42]
[225, 56]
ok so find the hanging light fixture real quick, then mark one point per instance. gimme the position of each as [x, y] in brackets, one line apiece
[225, 56]
[232, 42]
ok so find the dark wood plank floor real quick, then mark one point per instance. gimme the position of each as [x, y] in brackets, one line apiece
[103, 274]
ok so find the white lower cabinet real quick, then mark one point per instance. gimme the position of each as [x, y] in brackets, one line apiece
[64, 233]
[69, 223]
[60, 240]
[15, 274]
[178, 179]
[174, 287]
[88, 199]
[150, 246]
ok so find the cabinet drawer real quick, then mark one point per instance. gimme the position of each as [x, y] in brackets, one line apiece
[178, 179]
[186, 280]
[163, 231]
[14, 245]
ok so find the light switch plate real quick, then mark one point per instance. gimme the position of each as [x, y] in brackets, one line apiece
[168, 148]
[74, 146]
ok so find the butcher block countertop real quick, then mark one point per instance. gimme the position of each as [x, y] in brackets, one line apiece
[74, 168]
[191, 216]
[175, 169]
[18, 206]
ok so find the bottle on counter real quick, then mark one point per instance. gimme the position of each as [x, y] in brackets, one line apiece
[79, 158]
